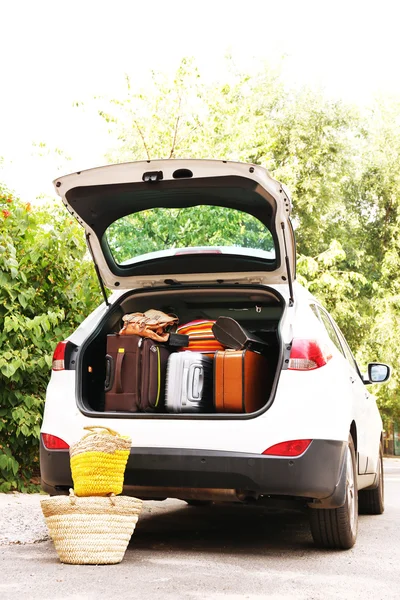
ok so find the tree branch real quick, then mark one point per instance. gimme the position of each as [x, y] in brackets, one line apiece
[176, 129]
[143, 140]
[189, 133]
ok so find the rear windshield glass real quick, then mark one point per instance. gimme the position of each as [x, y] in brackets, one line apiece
[196, 228]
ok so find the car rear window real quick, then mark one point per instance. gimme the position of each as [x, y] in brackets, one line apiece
[198, 227]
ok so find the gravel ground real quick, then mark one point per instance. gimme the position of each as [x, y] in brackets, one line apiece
[207, 553]
[21, 519]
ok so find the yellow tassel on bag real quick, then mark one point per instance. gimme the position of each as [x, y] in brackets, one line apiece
[98, 462]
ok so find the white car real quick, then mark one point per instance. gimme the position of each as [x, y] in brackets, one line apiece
[317, 441]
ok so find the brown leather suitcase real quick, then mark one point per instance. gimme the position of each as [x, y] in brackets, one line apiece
[240, 381]
[135, 374]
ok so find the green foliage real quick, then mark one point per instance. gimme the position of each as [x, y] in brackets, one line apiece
[162, 228]
[46, 289]
[342, 167]
[342, 291]
[159, 122]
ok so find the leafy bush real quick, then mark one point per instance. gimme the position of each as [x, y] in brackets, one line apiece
[47, 287]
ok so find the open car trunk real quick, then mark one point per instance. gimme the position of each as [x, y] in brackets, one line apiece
[258, 308]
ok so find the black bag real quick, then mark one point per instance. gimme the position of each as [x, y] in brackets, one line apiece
[233, 335]
[178, 340]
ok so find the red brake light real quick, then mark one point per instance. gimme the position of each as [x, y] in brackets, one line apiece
[193, 251]
[52, 442]
[58, 363]
[307, 355]
[292, 448]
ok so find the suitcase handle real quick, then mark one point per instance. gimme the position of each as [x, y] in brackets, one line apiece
[118, 370]
[196, 377]
[109, 381]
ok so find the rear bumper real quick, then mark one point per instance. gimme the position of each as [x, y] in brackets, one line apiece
[318, 475]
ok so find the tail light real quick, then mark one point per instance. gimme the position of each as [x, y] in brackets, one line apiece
[58, 363]
[52, 442]
[194, 251]
[292, 448]
[62, 356]
[306, 355]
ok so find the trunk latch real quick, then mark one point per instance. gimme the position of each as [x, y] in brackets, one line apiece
[152, 176]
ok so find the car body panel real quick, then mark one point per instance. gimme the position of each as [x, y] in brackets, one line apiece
[220, 475]
[81, 194]
[365, 411]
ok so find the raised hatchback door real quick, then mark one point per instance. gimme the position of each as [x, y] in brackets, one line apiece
[183, 221]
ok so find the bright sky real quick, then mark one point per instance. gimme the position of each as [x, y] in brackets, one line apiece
[53, 53]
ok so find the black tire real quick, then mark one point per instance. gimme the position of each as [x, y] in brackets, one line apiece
[198, 502]
[337, 527]
[372, 502]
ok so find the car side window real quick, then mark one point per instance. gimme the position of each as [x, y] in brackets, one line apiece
[348, 352]
[315, 311]
[331, 331]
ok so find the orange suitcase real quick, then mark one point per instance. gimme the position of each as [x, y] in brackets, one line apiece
[201, 337]
[240, 381]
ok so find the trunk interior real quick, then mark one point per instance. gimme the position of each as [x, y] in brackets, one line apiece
[258, 309]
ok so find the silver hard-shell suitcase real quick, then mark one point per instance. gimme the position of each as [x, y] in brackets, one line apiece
[189, 383]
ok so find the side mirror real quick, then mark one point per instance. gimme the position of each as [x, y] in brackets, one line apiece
[378, 373]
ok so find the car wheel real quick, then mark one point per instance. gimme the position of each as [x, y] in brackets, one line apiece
[372, 502]
[337, 527]
[198, 502]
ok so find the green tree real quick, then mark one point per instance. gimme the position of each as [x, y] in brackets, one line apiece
[341, 166]
[379, 200]
[164, 228]
[47, 287]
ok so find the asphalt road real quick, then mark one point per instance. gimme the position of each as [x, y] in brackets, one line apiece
[221, 553]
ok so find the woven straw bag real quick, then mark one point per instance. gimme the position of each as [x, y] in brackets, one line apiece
[98, 462]
[91, 531]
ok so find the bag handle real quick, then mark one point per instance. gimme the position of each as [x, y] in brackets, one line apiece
[118, 370]
[72, 495]
[93, 428]
[109, 381]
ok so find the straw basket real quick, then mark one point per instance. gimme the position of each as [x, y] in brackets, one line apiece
[98, 462]
[91, 531]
